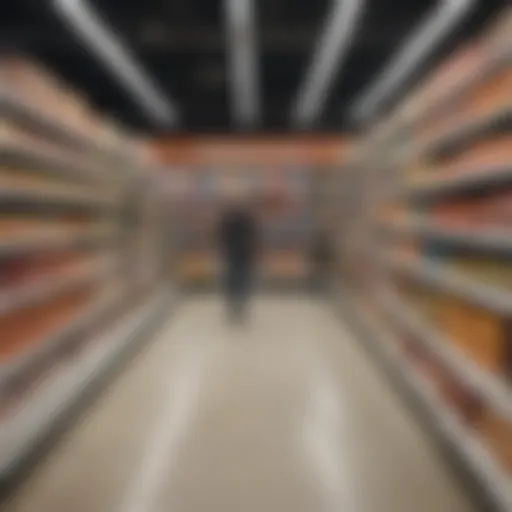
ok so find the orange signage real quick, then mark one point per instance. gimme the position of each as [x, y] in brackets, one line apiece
[299, 150]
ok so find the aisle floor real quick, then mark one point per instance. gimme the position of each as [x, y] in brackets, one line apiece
[285, 415]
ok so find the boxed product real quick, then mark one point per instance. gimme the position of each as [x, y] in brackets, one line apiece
[460, 213]
[460, 398]
[458, 68]
[32, 267]
[482, 335]
[423, 363]
[196, 267]
[482, 270]
[496, 209]
[496, 432]
[481, 155]
[493, 211]
[410, 249]
[494, 93]
[283, 264]
[22, 330]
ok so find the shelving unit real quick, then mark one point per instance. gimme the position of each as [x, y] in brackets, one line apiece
[461, 440]
[281, 201]
[81, 275]
[426, 254]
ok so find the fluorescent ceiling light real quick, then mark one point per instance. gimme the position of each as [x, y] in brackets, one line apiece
[240, 26]
[438, 24]
[102, 41]
[341, 25]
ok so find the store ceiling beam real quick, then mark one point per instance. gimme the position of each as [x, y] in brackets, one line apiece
[103, 43]
[335, 41]
[243, 68]
[199, 38]
[438, 24]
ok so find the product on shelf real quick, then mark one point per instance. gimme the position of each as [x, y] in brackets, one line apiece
[481, 156]
[24, 329]
[460, 399]
[427, 302]
[458, 68]
[482, 335]
[492, 211]
[453, 126]
[29, 83]
[493, 93]
[496, 433]
[485, 271]
[21, 270]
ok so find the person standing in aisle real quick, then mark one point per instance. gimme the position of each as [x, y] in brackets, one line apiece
[321, 261]
[238, 246]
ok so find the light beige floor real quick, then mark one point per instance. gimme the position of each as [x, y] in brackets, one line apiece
[287, 415]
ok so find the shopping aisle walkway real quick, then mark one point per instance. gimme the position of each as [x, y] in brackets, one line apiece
[288, 415]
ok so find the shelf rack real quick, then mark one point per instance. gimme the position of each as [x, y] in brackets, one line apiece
[478, 239]
[465, 445]
[433, 275]
[24, 429]
[96, 201]
[494, 388]
[377, 253]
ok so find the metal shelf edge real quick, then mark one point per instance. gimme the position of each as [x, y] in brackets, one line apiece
[470, 449]
[31, 424]
[497, 392]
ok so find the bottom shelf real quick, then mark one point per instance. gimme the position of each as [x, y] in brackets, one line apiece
[23, 431]
[469, 449]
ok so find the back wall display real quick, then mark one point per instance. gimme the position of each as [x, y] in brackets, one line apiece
[280, 197]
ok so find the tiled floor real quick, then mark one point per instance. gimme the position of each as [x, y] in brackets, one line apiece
[284, 415]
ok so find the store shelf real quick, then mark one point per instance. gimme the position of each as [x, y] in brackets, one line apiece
[434, 276]
[48, 287]
[16, 367]
[33, 159]
[26, 116]
[23, 200]
[493, 388]
[493, 65]
[469, 130]
[465, 445]
[479, 180]
[22, 431]
[55, 240]
[481, 239]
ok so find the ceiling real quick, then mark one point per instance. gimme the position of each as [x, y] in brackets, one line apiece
[182, 46]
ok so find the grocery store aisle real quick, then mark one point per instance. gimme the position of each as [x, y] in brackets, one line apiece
[285, 415]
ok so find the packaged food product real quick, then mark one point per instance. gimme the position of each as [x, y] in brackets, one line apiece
[482, 270]
[493, 93]
[23, 330]
[483, 336]
[496, 433]
[482, 155]
[460, 398]
[456, 69]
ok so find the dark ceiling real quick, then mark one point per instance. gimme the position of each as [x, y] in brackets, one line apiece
[182, 45]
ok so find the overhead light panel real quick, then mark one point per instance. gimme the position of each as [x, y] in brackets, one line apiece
[243, 68]
[101, 40]
[341, 26]
[438, 24]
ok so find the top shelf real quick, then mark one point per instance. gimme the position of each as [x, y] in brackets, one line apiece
[469, 130]
[24, 115]
[410, 116]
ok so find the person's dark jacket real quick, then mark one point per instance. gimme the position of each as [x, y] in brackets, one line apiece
[238, 235]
